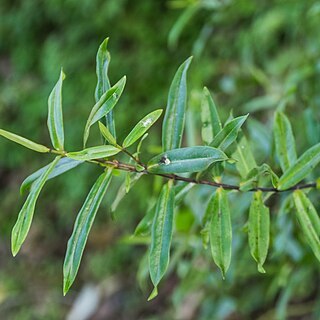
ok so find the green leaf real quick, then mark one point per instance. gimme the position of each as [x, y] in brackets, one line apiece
[64, 165]
[301, 168]
[174, 119]
[309, 220]
[245, 159]
[220, 230]
[284, 141]
[24, 142]
[82, 228]
[141, 128]
[161, 234]
[143, 227]
[211, 123]
[103, 84]
[22, 226]
[55, 117]
[98, 152]
[229, 133]
[106, 103]
[259, 230]
[107, 134]
[190, 159]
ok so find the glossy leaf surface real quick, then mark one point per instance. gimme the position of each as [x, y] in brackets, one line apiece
[94, 153]
[301, 168]
[161, 234]
[23, 141]
[82, 227]
[174, 119]
[23, 223]
[190, 159]
[141, 128]
[55, 117]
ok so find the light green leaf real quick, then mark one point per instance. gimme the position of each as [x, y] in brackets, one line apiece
[98, 152]
[64, 165]
[245, 159]
[55, 117]
[284, 141]
[103, 84]
[161, 234]
[22, 226]
[211, 123]
[220, 230]
[259, 230]
[141, 128]
[107, 134]
[309, 220]
[190, 159]
[174, 119]
[82, 227]
[106, 103]
[229, 133]
[301, 168]
[24, 142]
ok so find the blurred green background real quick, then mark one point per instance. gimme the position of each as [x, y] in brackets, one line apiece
[253, 55]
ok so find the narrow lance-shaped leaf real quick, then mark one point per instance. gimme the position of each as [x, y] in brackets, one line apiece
[229, 133]
[284, 141]
[103, 84]
[190, 159]
[141, 128]
[64, 165]
[174, 119]
[309, 220]
[245, 159]
[301, 168]
[106, 103]
[22, 226]
[55, 117]
[211, 124]
[82, 227]
[220, 230]
[107, 134]
[24, 142]
[259, 230]
[94, 153]
[161, 235]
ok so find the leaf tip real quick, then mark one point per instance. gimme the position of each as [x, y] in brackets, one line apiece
[261, 269]
[153, 294]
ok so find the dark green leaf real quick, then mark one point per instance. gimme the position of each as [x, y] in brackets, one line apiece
[94, 153]
[103, 84]
[220, 230]
[259, 230]
[82, 227]
[211, 124]
[55, 117]
[309, 220]
[301, 168]
[22, 226]
[174, 119]
[161, 234]
[141, 128]
[106, 103]
[191, 159]
[229, 133]
[64, 165]
[24, 142]
[284, 141]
